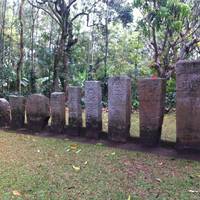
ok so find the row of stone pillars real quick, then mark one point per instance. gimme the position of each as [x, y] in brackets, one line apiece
[151, 97]
[39, 109]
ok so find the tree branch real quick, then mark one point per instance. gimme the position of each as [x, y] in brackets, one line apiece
[71, 3]
[80, 14]
[53, 11]
[46, 11]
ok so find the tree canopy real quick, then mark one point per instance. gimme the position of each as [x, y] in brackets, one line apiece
[46, 45]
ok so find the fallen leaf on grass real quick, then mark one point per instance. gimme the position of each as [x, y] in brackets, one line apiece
[76, 168]
[78, 151]
[110, 154]
[73, 146]
[158, 179]
[86, 162]
[16, 193]
[193, 191]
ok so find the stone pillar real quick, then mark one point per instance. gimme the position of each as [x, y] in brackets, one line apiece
[151, 110]
[75, 110]
[37, 112]
[93, 108]
[188, 104]
[119, 108]
[17, 105]
[57, 104]
[4, 112]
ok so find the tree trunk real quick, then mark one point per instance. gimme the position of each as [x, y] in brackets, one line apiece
[55, 71]
[21, 47]
[33, 72]
[2, 32]
[60, 58]
[65, 71]
[106, 42]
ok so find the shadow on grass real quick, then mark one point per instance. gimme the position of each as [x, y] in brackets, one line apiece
[165, 148]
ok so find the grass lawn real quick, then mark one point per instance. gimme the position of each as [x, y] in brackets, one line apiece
[48, 168]
[168, 129]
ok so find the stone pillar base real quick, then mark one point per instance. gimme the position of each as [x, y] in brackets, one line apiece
[93, 107]
[17, 105]
[57, 112]
[151, 110]
[119, 108]
[4, 112]
[188, 104]
[75, 110]
[37, 111]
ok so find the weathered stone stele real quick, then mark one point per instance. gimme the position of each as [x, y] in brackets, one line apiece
[57, 104]
[119, 108]
[188, 104]
[17, 105]
[151, 110]
[4, 112]
[93, 108]
[75, 111]
[37, 111]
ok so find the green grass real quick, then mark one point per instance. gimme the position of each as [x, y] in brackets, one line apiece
[42, 168]
[168, 130]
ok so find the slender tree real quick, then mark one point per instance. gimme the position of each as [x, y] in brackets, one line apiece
[61, 12]
[21, 47]
[2, 31]
[34, 15]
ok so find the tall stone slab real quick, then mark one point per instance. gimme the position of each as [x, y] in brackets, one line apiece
[119, 108]
[75, 110]
[151, 110]
[17, 105]
[188, 104]
[57, 104]
[93, 108]
[4, 112]
[37, 112]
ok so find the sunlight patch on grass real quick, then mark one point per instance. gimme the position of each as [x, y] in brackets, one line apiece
[168, 131]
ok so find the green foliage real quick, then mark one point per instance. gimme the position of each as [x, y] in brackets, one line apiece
[131, 48]
[170, 99]
[126, 52]
[167, 13]
[171, 29]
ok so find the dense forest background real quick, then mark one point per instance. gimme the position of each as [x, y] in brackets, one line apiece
[47, 45]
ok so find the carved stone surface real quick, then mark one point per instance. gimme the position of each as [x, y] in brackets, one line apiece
[119, 108]
[57, 103]
[75, 110]
[4, 112]
[151, 111]
[188, 104]
[93, 108]
[37, 111]
[17, 105]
